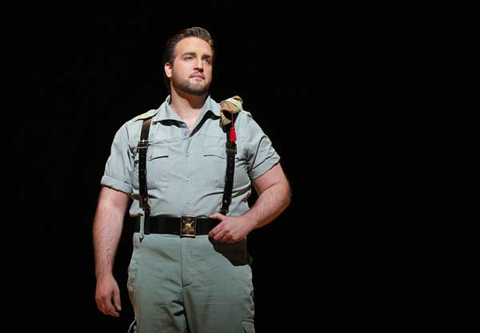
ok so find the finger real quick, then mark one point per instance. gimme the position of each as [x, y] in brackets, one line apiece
[105, 302]
[216, 233]
[110, 309]
[217, 229]
[100, 306]
[116, 301]
[218, 237]
[106, 306]
[223, 236]
[226, 239]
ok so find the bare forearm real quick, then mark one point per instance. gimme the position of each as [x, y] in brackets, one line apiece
[107, 229]
[270, 204]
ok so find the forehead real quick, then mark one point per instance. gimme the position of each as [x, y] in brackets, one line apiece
[193, 44]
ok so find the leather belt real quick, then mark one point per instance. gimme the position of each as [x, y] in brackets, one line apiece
[185, 226]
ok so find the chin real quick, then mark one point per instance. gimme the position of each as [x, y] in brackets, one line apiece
[199, 90]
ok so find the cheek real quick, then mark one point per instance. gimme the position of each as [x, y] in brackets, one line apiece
[209, 72]
[181, 71]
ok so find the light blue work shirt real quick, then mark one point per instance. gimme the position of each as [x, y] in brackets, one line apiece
[186, 169]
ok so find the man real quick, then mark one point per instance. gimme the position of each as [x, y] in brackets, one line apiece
[190, 269]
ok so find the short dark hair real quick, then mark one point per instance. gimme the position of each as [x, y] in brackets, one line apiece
[169, 52]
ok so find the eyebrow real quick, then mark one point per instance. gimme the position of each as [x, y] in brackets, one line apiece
[206, 56]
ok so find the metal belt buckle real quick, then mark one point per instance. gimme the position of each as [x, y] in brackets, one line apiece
[188, 226]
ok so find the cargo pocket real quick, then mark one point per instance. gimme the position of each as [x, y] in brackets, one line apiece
[215, 158]
[248, 327]
[158, 163]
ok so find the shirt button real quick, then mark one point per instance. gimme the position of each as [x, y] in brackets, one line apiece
[188, 154]
[187, 179]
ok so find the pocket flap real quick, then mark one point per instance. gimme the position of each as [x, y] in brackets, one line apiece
[157, 152]
[214, 151]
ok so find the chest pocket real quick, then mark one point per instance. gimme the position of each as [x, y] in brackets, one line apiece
[158, 166]
[215, 166]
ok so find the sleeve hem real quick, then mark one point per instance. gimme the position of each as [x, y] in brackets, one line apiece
[264, 167]
[118, 185]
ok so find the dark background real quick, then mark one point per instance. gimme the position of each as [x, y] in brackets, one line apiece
[91, 68]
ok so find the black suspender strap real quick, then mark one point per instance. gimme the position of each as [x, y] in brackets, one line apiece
[142, 170]
[231, 149]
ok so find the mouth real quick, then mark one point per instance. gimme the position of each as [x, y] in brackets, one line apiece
[198, 76]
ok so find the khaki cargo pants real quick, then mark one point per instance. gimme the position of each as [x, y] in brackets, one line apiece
[190, 285]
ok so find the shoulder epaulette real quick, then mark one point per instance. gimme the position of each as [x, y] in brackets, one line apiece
[147, 114]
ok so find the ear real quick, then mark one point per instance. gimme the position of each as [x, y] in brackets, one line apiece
[168, 69]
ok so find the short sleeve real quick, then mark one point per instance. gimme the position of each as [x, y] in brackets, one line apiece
[119, 166]
[261, 154]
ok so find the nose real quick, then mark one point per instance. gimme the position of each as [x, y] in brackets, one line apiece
[199, 64]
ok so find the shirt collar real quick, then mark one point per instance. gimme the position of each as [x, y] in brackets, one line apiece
[165, 112]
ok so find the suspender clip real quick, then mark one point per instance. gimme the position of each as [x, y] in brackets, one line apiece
[231, 148]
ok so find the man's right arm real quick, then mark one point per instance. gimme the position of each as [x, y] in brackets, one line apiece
[107, 229]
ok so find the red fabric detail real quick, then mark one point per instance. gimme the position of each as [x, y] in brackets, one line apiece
[233, 135]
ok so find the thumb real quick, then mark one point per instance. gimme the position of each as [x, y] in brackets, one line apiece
[217, 216]
[117, 302]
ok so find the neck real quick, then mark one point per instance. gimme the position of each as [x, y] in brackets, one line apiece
[187, 106]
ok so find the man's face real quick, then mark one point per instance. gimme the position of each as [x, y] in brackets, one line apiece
[191, 71]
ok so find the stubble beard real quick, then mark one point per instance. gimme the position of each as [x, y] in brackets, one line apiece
[187, 87]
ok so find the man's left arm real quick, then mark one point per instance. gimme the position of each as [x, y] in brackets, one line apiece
[273, 197]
